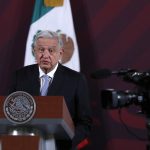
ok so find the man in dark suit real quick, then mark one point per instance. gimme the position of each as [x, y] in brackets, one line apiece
[48, 50]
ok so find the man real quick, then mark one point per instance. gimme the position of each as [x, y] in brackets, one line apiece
[62, 81]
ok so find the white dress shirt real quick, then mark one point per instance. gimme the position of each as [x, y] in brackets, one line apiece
[50, 74]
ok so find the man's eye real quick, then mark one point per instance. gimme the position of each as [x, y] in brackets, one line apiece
[41, 49]
[51, 50]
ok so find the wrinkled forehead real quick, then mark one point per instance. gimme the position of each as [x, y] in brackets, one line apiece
[47, 42]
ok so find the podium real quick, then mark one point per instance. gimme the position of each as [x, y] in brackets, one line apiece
[51, 120]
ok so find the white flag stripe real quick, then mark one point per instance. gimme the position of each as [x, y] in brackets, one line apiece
[59, 18]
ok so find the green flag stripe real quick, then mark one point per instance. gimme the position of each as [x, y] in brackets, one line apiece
[39, 10]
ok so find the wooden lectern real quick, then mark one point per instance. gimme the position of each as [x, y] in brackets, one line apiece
[51, 118]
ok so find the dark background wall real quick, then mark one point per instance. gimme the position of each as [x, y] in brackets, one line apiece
[111, 34]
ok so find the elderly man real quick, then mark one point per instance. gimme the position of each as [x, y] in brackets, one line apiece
[60, 80]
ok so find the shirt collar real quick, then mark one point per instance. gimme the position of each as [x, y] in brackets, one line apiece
[50, 74]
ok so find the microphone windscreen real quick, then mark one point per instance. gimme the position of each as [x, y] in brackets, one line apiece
[102, 73]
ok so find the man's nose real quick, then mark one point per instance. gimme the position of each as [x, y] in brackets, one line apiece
[46, 53]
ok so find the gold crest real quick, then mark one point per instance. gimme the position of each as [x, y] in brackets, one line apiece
[53, 3]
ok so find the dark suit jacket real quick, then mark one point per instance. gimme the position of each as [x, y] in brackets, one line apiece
[66, 82]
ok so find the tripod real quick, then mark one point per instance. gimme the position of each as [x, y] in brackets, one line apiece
[148, 129]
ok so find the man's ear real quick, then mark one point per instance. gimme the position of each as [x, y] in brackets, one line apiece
[62, 49]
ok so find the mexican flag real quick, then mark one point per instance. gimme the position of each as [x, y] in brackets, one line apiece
[54, 15]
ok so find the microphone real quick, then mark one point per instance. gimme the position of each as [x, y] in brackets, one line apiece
[104, 73]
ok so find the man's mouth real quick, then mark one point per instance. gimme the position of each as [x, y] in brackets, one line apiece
[45, 62]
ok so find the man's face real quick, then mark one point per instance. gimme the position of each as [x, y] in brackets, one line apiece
[47, 53]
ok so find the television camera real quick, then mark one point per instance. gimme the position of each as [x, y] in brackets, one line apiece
[112, 99]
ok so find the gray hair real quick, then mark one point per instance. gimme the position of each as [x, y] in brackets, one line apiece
[48, 34]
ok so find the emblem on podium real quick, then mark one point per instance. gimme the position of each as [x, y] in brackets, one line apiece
[19, 107]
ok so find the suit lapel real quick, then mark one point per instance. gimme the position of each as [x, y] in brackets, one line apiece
[57, 81]
[35, 81]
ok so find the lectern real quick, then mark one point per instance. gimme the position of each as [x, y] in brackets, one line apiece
[51, 119]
